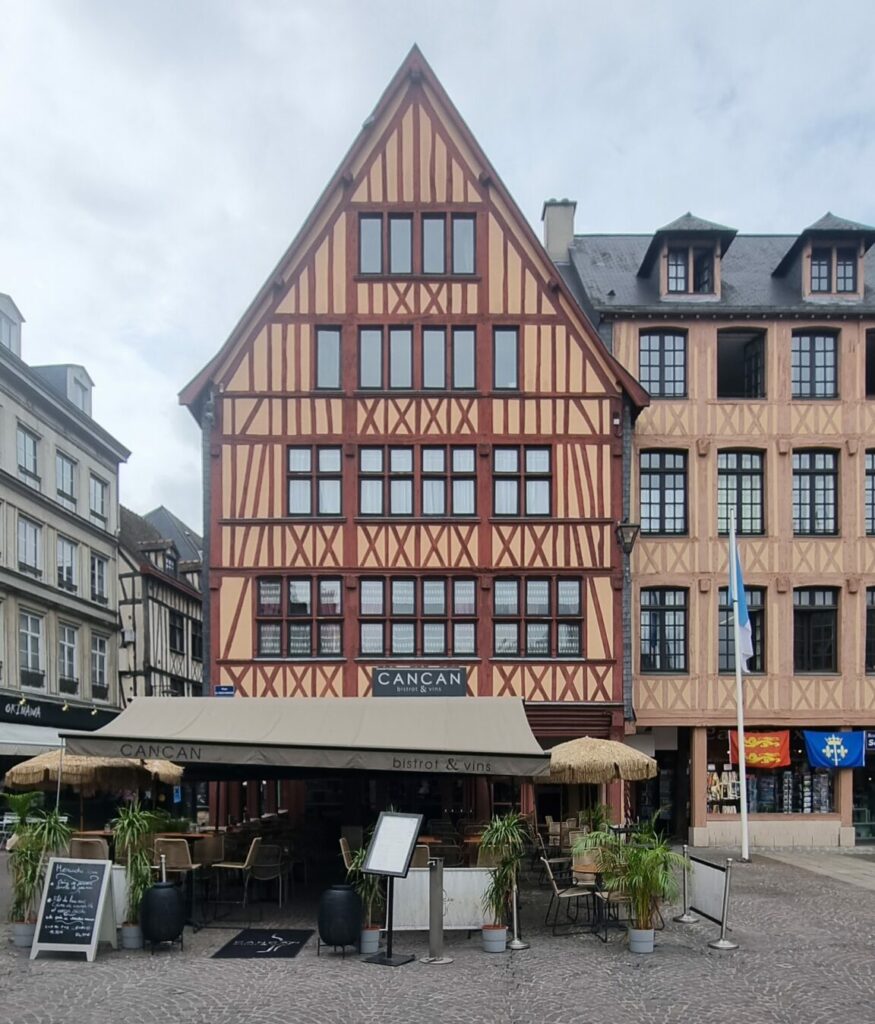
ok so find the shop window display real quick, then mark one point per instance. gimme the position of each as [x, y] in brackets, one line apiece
[796, 788]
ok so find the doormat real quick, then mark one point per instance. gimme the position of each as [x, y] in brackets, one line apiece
[264, 944]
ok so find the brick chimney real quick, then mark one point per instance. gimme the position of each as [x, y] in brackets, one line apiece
[558, 218]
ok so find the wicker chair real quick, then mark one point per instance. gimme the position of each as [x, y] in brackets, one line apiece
[243, 868]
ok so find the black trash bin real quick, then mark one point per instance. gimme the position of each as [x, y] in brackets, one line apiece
[162, 914]
[340, 917]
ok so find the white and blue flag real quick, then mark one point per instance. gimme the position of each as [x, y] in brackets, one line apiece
[736, 594]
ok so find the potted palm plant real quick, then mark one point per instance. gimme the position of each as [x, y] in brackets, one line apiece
[131, 830]
[370, 891]
[505, 836]
[644, 870]
[35, 838]
[595, 818]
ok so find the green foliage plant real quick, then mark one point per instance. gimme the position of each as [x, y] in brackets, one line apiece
[644, 869]
[596, 818]
[131, 830]
[369, 887]
[506, 836]
[36, 836]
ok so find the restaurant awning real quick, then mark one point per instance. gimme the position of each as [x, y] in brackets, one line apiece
[26, 740]
[454, 735]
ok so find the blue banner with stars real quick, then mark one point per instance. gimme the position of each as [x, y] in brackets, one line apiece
[835, 749]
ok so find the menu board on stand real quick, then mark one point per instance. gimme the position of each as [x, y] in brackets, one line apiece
[75, 911]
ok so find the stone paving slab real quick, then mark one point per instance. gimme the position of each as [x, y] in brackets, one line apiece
[807, 948]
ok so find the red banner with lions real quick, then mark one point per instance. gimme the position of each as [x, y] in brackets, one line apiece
[762, 749]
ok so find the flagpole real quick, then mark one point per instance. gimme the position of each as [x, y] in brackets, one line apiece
[739, 690]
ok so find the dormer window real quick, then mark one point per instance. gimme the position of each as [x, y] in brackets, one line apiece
[833, 270]
[691, 265]
[846, 270]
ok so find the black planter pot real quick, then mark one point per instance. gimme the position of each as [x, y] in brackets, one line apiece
[340, 916]
[162, 913]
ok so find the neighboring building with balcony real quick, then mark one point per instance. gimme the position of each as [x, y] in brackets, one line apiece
[160, 606]
[58, 549]
[413, 443]
[758, 353]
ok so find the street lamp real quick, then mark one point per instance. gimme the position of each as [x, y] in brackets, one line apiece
[627, 534]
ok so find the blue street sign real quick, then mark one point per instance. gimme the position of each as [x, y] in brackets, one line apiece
[223, 691]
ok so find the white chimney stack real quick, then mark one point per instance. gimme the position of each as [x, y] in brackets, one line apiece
[558, 218]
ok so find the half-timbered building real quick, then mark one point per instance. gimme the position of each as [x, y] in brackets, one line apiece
[413, 447]
[159, 606]
[758, 352]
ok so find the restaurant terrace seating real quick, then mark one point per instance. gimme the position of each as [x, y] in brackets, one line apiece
[563, 892]
[89, 849]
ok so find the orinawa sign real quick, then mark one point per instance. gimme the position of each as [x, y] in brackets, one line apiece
[419, 682]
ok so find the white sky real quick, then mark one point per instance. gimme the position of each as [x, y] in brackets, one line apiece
[158, 157]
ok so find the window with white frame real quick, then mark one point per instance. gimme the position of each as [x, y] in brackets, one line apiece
[27, 446]
[68, 556]
[30, 541]
[98, 494]
[99, 567]
[65, 473]
[68, 661]
[30, 649]
[99, 684]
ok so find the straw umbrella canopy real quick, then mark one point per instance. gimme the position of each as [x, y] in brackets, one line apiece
[91, 775]
[593, 761]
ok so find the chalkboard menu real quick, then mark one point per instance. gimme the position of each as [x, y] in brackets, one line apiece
[75, 912]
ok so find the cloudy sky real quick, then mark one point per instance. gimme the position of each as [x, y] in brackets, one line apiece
[159, 156]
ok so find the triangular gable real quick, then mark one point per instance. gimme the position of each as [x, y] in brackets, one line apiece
[414, 128]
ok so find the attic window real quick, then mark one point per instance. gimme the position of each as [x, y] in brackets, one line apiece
[833, 270]
[690, 265]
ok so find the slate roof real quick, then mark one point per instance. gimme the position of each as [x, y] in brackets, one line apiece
[134, 531]
[689, 222]
[686, 227]
[606, 267]
[188, 543]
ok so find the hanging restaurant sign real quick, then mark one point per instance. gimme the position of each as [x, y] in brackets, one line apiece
[419, 682]
[762, 749]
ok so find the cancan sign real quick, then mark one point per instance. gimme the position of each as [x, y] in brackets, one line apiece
[419, 682]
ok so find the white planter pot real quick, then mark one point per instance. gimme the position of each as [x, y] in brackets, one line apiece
[23, 933]
[132, 936]
[369, 940]
[640, 940]
[494, 939]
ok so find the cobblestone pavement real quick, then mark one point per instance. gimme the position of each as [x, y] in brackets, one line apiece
[807, 948]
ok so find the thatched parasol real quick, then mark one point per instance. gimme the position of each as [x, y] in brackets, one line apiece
[90, 775]
[589, 760]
